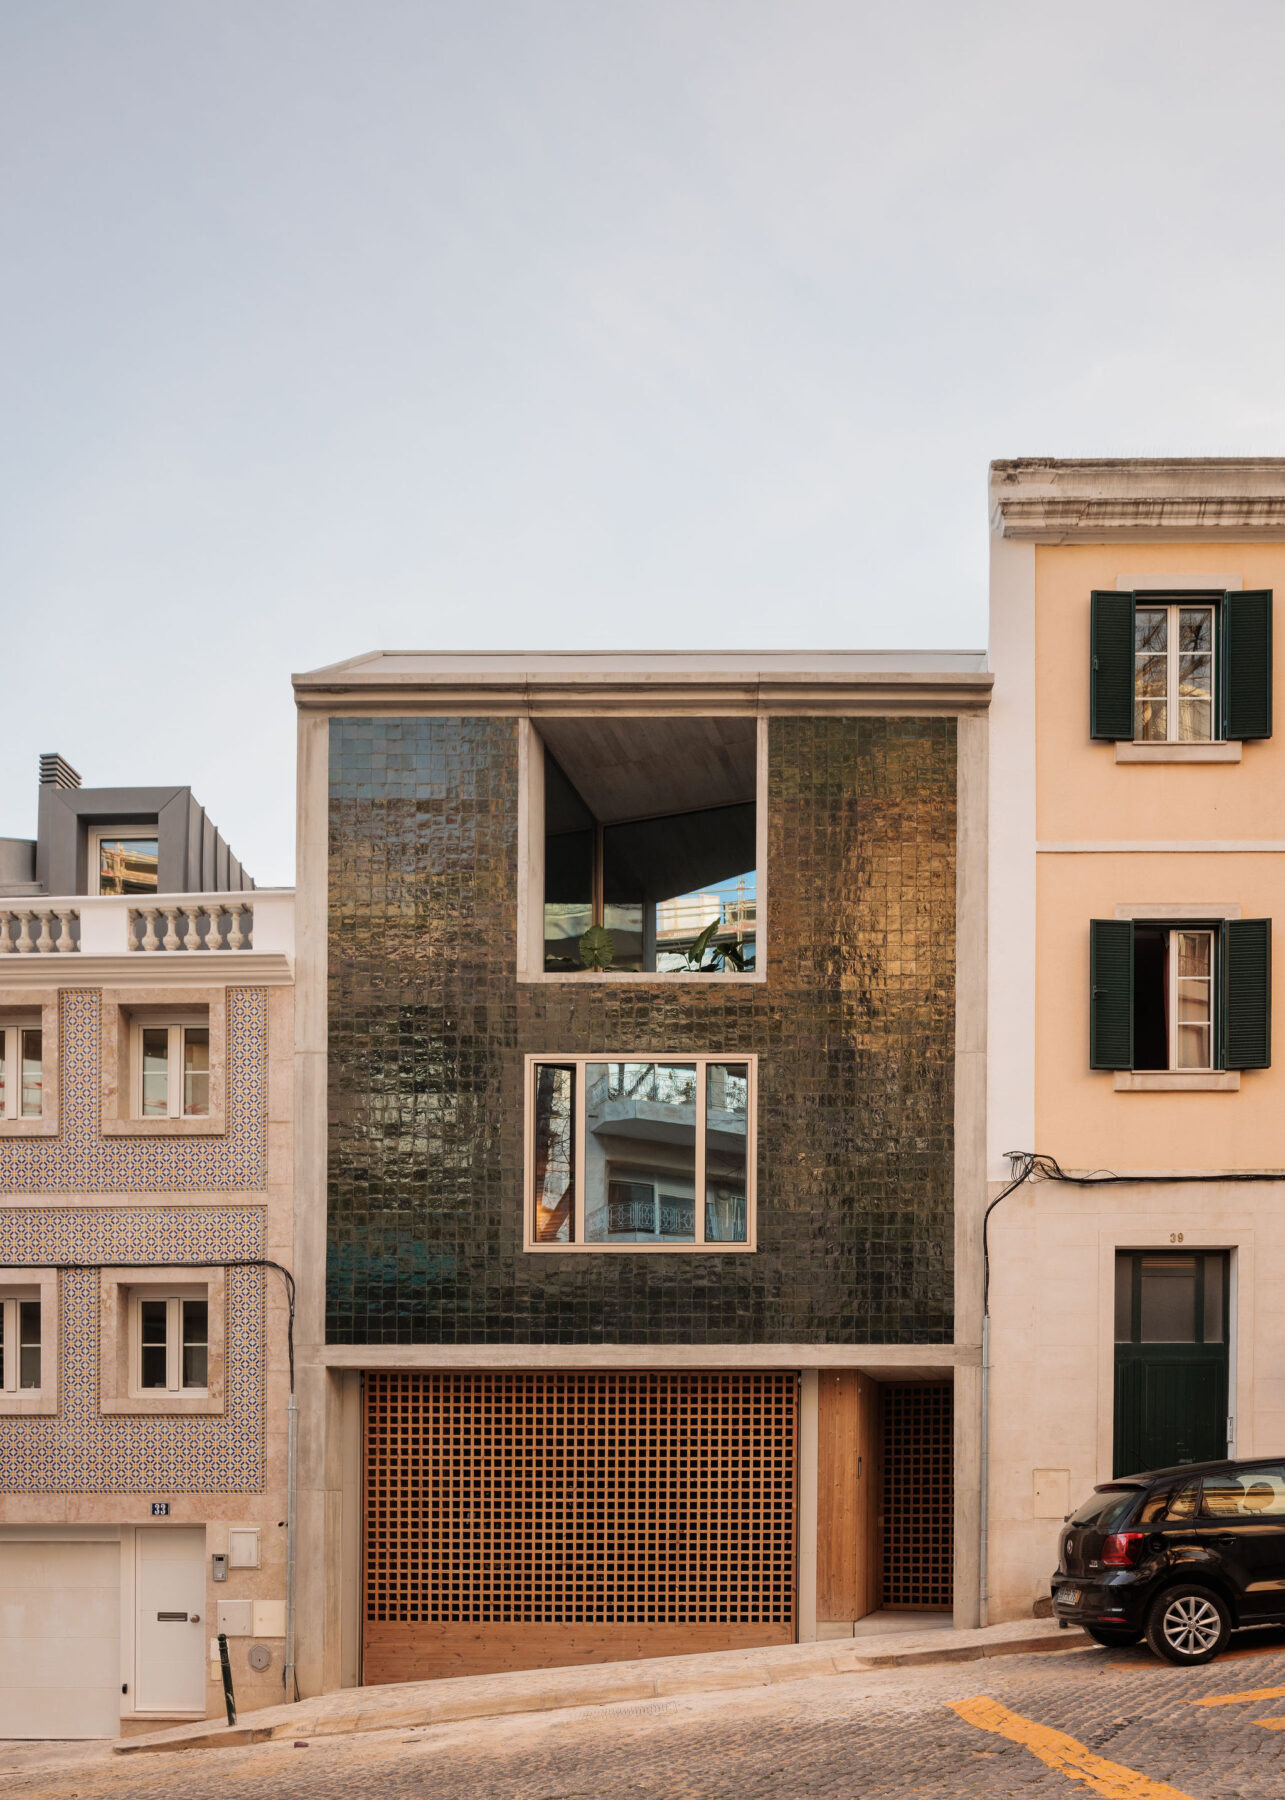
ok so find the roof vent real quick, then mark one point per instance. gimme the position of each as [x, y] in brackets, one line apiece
[54, 772]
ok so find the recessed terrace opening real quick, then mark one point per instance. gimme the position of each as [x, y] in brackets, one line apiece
[650, 845]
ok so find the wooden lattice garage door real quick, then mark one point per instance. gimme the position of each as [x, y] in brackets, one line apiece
[918, 1531]
[522, 1521]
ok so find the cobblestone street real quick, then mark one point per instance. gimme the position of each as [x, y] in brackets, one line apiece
[1114, 1723]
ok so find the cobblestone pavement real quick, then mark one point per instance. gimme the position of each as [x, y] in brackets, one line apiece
[1114, 1723]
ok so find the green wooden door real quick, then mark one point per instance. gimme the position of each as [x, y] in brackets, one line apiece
[1170, 1358]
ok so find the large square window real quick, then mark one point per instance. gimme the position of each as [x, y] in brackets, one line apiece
[124, 859]
[646, 846]
[641, 1154]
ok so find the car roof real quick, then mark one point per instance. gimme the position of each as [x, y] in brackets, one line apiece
[1192, 1469]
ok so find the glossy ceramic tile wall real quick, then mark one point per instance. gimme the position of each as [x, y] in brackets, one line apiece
[429, 1025]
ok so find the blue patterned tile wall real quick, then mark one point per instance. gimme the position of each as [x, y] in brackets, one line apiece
[78, 1450]
[80, 1159]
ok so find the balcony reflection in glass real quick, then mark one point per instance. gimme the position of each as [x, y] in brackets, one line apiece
[640, 1153]
[727, 1114]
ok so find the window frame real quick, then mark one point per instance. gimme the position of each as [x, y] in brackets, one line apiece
[175, 1026]
[699, 1245]
[120, 1289]
[41, 1285]
[142, 829]
[13, 1026]
[173, 1296]
[530, 910]
[1175, 604]
[12, 1299]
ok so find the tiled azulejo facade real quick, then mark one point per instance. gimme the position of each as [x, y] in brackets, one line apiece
[78, 1450]
[854, 1029]
[80, 1160]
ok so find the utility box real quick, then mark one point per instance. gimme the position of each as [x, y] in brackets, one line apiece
[269, 1618]
[236, 1618]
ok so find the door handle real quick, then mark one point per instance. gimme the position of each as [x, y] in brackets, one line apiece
[1225, 1540]
[196, 1618]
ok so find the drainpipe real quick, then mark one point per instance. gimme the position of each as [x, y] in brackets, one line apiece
[288, 1677]
[984, 1519]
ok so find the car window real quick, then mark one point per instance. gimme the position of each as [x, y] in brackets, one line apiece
[1183, 1504]
[1153, 1507]
[1105, 1507]
[1247, 1494]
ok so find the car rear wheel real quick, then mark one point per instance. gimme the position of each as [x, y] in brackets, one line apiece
[1188, 1625]
[1115, 1637]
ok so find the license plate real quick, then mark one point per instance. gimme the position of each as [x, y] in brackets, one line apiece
[1068, 1596]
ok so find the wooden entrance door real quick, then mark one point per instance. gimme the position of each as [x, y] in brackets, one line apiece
[517, 1521]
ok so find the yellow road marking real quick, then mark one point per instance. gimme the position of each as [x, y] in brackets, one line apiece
[1271, 1724]
[1239, 1699]
[1112, 1780]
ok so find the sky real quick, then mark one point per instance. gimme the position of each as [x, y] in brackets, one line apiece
[335, 325]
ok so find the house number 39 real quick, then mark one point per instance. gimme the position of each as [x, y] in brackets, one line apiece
[1175, 1237]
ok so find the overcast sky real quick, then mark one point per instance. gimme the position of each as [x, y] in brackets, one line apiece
[329, 325]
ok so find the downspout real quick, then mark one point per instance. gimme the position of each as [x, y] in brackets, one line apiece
[288, 1677]
[1025, 1165]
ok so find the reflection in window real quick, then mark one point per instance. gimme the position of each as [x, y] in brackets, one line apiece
[727, 1102]
[640, 1152]
[1173, 674]
[650, 836]
[127, 865]
[555, 1153]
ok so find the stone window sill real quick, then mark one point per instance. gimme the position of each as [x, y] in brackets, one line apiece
[28, 1404]
[1161, 1081]
[1177, 753]
[161, 1406]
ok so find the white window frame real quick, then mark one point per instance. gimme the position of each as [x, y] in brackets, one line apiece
[97, 833]
[174, 1096]
[698, 1246]
[173, 1298]
[1175, 1037]
[1174, 604]
[11, 1030]
[10, 1373]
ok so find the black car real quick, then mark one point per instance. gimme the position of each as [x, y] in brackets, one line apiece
[1182, 1557]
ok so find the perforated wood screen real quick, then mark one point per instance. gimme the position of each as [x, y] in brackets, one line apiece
[580, 1500]
[918, 1533]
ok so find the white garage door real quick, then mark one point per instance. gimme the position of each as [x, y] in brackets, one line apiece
[59, 1640]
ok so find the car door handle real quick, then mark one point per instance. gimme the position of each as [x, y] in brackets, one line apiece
[1225, 1540]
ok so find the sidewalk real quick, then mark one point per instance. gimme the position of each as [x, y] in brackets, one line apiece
[602, 1684]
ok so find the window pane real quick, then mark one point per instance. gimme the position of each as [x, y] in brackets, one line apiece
[1195, 702]
[32, 1072]
[1183, 1505]
[1151, 629]
[196, 1070]
[29, 1343]
[1194, 949]
[1168, 1300]
[1196, 629]
[195, 1342]
[152, 1317]
[727, 1113]
[156, 1071]
[555, 1154]
[1215, 1268]
[1123, 1299]
[641, 1132]
[127, 865]
[1249, 1494]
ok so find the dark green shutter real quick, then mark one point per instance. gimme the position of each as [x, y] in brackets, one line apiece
[1110, 993]
[1247, 993]
[1111, 666]
[1247, 664]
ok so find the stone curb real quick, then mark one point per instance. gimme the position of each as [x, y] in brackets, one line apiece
[455, 1699]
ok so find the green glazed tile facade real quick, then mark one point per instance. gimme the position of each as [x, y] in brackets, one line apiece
[429, 1025]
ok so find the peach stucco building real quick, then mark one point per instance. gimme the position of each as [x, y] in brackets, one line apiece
[1135, 871]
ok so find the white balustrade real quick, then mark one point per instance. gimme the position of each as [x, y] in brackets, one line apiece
[56, 930]
[197, 927]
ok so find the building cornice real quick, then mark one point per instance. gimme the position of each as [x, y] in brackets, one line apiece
[1045, 500]
[395, 683]
[219, 968]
